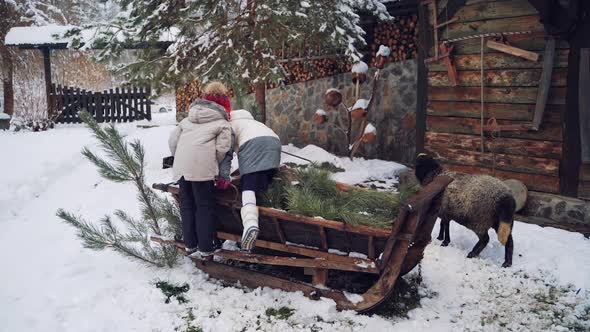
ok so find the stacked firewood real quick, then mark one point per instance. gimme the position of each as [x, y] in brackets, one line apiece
[400, 35]
[186, 94]
[305, 70]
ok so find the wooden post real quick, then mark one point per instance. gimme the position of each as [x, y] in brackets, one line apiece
[584, 109]
[47, 69]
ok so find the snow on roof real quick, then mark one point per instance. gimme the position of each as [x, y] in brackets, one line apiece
[384, 51]
[320, 112]
[361, 103]
[360, 68]
[53, 34]
[370, 129]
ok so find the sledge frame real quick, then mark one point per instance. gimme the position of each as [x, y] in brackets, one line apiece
[403, 249]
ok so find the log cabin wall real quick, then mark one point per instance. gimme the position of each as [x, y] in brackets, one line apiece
[511, 86]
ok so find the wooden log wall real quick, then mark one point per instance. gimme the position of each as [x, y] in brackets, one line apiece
[511, 85]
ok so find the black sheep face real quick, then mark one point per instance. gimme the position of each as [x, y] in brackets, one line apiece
[426, 168]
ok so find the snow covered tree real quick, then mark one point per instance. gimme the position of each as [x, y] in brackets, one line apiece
[159, 216]
[230, 39]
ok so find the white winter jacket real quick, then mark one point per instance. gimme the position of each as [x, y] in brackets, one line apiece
[258, 147]
[200, 142]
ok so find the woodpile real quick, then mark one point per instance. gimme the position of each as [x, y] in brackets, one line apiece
[186, 94]
[306, 70]
[400, 35]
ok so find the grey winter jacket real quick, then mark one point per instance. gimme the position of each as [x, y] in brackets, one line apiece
[258, 147]
[200, 143]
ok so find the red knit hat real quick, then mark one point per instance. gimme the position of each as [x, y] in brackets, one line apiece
[220, 99]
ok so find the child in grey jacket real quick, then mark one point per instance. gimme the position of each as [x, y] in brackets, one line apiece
[200, 145]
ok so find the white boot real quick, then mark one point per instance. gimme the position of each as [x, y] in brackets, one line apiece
[250, 221]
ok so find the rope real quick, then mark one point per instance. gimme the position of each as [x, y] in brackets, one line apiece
[490, 34]
[296, 156]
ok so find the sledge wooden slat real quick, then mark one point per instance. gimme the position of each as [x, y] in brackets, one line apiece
[516, 95]
[504, 145]
[512, 163]
[296, 262]
[319, 277]
[498, 78]
[499, 61]
[298, 250]
[551, 132]
[371, 248]
[515, 51]
[323, 238]
[536, 182]
[279, 230]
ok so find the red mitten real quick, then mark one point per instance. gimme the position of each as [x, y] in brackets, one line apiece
[222, 183]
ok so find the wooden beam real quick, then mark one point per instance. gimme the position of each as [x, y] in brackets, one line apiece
[519, 52]
[448, 61]
[584, 109]
[48, 83]
[295, 262]
[422, 83]
[299, 250]
[544, 83]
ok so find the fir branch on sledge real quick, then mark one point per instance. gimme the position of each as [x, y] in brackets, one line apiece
[311, 192]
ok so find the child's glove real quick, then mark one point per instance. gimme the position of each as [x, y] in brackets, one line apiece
[222, 183]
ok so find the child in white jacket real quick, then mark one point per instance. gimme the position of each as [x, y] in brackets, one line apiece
[259, 156]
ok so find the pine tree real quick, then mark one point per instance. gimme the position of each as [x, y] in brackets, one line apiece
[125, 163]
[230, 39]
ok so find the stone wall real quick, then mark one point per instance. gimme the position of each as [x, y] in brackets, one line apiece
[290, 112]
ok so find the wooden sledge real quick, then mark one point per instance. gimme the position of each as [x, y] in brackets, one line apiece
[318, 246]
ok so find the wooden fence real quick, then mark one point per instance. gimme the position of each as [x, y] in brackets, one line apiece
[115, 105]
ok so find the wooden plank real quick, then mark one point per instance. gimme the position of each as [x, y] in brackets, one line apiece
[323, 238]
[319, 277]
[515, 24]
[516, 95]
[544, 83]
[515, 51]
[500, 61]
[279, 230]
[509, 146]
[451, 70]
[299, 250]
[533, 42]
[535, 182]
[424, 41]
[295, 262]
[517, 112]
[499, 78]
[371, 248]
[364, 230]
[494, 10]
[513, 163]
[552, 130]
[584, 101]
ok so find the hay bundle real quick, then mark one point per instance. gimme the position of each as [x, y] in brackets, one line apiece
[311, 192]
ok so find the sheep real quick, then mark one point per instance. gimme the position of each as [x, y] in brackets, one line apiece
[478, 202]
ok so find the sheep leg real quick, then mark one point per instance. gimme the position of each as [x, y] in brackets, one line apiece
[482, 243]
[444, 232]
[508, 252]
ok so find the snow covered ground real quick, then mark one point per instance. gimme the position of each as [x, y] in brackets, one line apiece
[48, 282]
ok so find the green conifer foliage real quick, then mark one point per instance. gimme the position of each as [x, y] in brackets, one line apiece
[125, 162]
